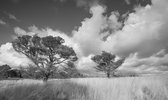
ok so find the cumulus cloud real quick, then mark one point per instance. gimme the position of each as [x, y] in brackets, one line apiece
[144, 32]
[86, 62]
[113, 22]
[91, 35]
[9, 56]
[88, 35]
[154, 63]
[19, 31]
[142, 37]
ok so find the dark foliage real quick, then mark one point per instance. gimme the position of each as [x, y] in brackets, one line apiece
[106, 63]
[3, 71]
[46, 53]
[7, 72]
[14, 73]
[68, 71]
[31, 72]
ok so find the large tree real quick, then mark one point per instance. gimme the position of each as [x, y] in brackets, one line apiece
[107, 63]
[70, 71]
[47, 53]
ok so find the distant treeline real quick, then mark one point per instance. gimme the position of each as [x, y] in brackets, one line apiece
[32, 72]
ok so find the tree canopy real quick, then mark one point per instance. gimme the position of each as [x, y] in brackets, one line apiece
[107, 62]
[47, 53]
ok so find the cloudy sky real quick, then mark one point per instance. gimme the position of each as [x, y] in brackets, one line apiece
[136, 29]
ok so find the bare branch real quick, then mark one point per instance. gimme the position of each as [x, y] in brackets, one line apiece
[59, 62]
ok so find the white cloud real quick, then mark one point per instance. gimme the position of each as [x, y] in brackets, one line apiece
[128, 2]
[152, 63]
[11, 16]
[145, 31]
[19, 31]
[86, 62]
[2, 63]
[32, 30]
[2, 22]
[113, 21]
[88, 35]
[9, 56]
[144, 35]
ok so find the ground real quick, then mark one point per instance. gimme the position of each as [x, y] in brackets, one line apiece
[125, 88]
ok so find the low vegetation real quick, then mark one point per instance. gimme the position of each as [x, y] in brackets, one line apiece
[37, 90]
[32, 72]
[130, 88]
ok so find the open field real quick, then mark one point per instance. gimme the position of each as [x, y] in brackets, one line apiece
[130, 88]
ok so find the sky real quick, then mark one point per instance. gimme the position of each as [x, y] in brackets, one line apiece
[135, 29]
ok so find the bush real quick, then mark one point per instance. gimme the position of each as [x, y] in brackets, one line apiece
[3, 71]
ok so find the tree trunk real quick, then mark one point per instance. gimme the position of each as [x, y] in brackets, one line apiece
[108, 74]
[45, 78]
[20, 74]
[113, 74]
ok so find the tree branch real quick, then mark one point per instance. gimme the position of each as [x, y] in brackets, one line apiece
[60, 62]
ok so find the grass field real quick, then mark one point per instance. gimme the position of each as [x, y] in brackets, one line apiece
[130, 88]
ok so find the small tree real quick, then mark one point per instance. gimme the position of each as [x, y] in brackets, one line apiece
[3, 71]
[106, 63]
[47, 53]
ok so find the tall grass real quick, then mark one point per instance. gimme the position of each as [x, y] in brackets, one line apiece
[52, 90]
[139, 88]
